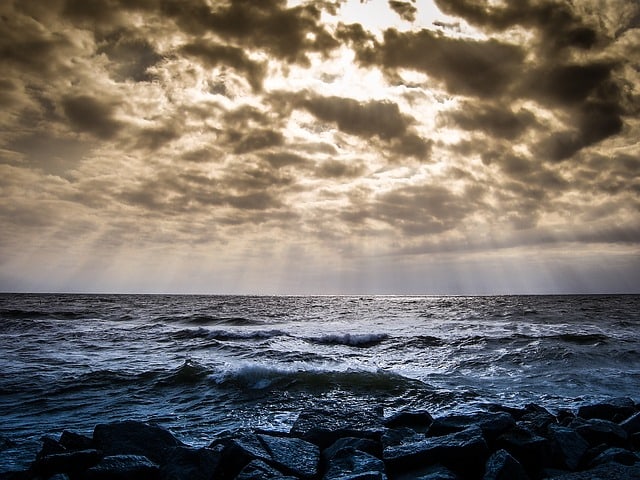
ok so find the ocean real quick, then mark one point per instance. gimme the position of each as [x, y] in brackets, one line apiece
[202, 365]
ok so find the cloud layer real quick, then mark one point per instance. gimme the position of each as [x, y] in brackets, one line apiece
[307, 146]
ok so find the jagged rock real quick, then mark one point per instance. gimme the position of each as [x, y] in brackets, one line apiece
[614, 410]
[615, 454]
[565, 417]
[323, 427]
[531, 450]
[123, 467]
[568, 446]
[609, 471]
[292, 455]
[134, 438]
[362, 444]
[237, 453]
[67, 462]
[418, 420]
[537, 419]
[75, 441]
[632, 424]
[352, 464]
[258, 470]
[59, 476]
[432, 472]
[187, 463]
[502, 466]
[398, 436]
[492, 424]
[597, 431]
[50, 446]
[464, 452]
[515, 412]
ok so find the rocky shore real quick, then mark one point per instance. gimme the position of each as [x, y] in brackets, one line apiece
[600, 441]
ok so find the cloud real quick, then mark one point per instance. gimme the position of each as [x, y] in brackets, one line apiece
[88, 114]
[494, 120]
[406, 10]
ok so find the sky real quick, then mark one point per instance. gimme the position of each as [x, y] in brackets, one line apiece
[320, 147]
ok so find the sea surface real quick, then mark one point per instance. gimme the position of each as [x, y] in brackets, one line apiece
[200, 365]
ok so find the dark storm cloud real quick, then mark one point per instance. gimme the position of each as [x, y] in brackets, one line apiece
[469, 67]
[406, 10]
[131, 56]
[88, 114]
[214, 54]
[337, 169]
[495, 120]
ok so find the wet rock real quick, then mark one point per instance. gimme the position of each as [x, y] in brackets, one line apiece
[537, 419]
[565, 417]
[186, 463]
[67, 462]
[123, 467]
[50, 446]
[323, 427]
[352, 464]
[568, 446]
[632, 424]
[502, 466]
[292, 455]
[75, 441]
[531, 450]
[418, 420]
[614, 410]
[259, 470]
[134, 438]
[399, 436]
[59, 476]
[362, 444]
[465, 452]
[597, 431]
[492, 424]
[237, 453]
[615, 454]
[609, 471]
[432, 472]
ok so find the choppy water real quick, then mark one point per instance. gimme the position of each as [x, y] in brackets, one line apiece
[202, 364]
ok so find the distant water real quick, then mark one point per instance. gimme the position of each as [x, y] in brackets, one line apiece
[202, 364]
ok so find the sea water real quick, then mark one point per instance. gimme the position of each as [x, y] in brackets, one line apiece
[200, 365]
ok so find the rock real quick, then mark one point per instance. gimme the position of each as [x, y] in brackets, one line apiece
[609, 471]
[362, 444]
[502, 466]
[123, 467]
[614, 410]
[432, 472]
[615, 454]
[67, 462]
[399, 436]
[50, 446]
[59, 476]
[597, 431]
[465, 452]
[134, 438]
[515, 412]
[568, 446]
[632, 424]
[75, 441]
[238, 453]
[353, 464]
[418, 420]
[531, 450]
[187, 463]
[258, 470]
[537, 419]
[565, 417]
[492, 424]
[292, 455]
[323, 427]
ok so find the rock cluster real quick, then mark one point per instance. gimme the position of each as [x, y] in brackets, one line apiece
[499, 443]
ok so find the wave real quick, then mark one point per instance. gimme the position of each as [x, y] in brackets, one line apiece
[225, 335]
[350, 339]
[19, 314]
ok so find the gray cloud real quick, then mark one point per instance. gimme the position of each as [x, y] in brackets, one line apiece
[406, 10]
[493, 119]
[88, 114]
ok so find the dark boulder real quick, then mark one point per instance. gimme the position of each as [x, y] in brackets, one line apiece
[502, 466]
[75, 441]
[50, 446]
[537, 419]
[292, 455]
[632, 424]
[492, 424]
[364, 445]
[67, 462]
[134, 438]
[464, 452]
[418, 420]
[531, 450]
[432, 472]
[323, 427]
[597, 431]
[608, 471]
[237, 453]
[123, 467]
[352, 464]
[568, 447]
[615, 454]
[259, 470]
[187, 463]
[399, 436]
[614, 410]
